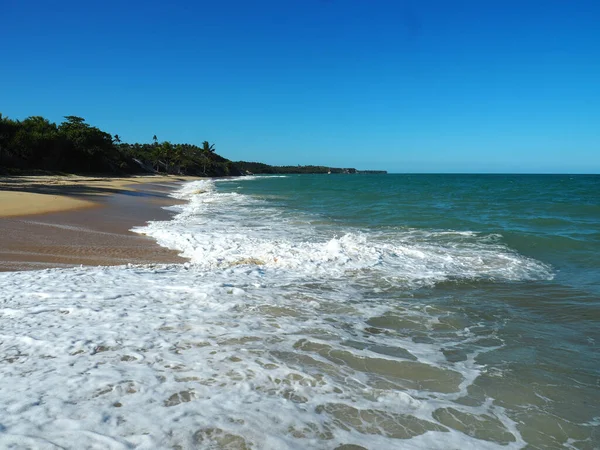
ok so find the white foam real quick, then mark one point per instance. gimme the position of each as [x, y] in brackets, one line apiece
[224, 229]
[160, 356]
[263, 340]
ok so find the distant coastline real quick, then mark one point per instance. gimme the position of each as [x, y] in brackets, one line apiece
[36, 145]
[261, 168]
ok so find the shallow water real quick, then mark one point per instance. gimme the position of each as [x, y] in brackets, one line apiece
[398, 311]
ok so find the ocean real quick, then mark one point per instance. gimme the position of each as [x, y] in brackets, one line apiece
[323, 312]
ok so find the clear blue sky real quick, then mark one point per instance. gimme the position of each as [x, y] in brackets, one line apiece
[407, 86]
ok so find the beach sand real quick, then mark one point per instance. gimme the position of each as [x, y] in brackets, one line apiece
[63, 221]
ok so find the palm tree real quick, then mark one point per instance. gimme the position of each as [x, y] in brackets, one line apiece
[155, 139]
[208, 148]
[117, 139]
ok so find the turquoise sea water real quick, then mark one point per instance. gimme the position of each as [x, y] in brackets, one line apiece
[536, 330]
[323, 312]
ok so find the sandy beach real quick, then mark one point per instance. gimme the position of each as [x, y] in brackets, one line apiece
[62, 221]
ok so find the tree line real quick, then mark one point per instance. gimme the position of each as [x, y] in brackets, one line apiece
[74, 146]
[261, 168]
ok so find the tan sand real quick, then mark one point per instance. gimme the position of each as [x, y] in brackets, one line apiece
[27, 195]
[25, 203]
[72, 220]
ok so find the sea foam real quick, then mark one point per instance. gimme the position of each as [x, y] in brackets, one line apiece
[155, 357]
[278, 334]
[224, 229]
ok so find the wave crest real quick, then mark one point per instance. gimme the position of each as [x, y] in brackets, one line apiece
[219, 230]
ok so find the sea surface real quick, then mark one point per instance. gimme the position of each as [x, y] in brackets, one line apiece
[323, 312]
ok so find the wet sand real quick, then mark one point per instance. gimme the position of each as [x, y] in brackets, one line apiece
[94, 230]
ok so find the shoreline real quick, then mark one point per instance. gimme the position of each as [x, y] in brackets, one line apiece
[67, 221]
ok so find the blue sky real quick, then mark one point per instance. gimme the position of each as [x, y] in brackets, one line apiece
[407, 86]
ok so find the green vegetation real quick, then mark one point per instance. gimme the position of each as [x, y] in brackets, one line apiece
[260, 168]
[36, 144]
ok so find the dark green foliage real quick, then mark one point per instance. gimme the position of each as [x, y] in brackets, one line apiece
[74, 146]
[208, 148]
[260, 168]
